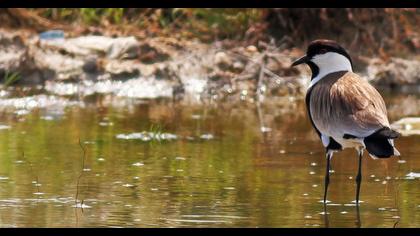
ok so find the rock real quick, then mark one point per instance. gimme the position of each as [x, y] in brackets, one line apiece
[407, 126]
[152, 52]
[252, 49]
[114, 48]
[62, 67]
[221, 75]
[79, 46]
[165, 71]
[396, 71]
[90, 65]
[238, 66]
[147, 70]
[192, 67]
[122, 68]
[15, 58]
[222, 60]
[124, 48]
[13, 52]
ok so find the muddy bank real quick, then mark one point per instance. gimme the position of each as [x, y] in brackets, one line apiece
[166, 67]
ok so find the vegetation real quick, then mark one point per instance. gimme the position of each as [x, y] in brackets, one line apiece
[11, 78]
[390, 30]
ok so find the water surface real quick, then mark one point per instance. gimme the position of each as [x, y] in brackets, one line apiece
[161, 163]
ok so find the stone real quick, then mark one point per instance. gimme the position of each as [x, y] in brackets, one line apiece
[251, 48]
[222, 60]
[124, 48]
[407, 126]
[396, 71]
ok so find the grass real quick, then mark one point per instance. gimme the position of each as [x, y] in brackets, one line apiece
[368, 29]
[11, 78]
[195, 22]
[80, 175]
[156, 130]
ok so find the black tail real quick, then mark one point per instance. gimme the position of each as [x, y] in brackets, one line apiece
[377, 144]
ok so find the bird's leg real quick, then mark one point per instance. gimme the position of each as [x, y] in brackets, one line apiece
[327, 175]
[359, 175]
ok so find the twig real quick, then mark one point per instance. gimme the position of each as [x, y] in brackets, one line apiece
[34, 20]
[260, 77]
[81, 173]
[260, 117]
[396, 197]
[32, 172]
[256, 61]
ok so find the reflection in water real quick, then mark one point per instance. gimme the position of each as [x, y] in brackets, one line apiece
[326, 220]
[230, 165]
[358, 221]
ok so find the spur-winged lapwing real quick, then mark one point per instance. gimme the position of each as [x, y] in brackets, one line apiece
[345, 110]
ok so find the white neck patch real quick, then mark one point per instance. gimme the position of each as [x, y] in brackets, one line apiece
[328, 63]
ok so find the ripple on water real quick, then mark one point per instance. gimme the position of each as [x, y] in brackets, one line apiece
[148, 136]
[197, 221]
[80, 205]
[412, 175]
[196, 117]
[207, 136]
[104, 123]
[229, 188]
[12, 201]
[215, 216]
[138, 164]
[326, 201]
[48, 118]
[4, 127]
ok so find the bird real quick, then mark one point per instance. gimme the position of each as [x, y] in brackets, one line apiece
[345, 110]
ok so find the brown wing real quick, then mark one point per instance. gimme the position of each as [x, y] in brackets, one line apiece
[343, 103]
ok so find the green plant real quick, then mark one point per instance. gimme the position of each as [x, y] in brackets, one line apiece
[226, 22]
[11, 78]
[96, 15]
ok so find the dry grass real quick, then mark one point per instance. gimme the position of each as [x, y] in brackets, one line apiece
[373, 31]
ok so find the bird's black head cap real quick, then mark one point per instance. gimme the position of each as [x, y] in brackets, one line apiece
[318, 47]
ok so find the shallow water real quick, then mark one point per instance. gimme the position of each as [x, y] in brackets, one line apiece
[161, 163]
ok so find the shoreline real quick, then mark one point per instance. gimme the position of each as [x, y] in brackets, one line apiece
[175, 67]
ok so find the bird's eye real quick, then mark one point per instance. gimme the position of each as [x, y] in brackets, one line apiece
[322, 51]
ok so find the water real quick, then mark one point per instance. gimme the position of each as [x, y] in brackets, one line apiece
[201, 165]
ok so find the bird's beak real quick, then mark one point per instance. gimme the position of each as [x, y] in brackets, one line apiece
[301, 60]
